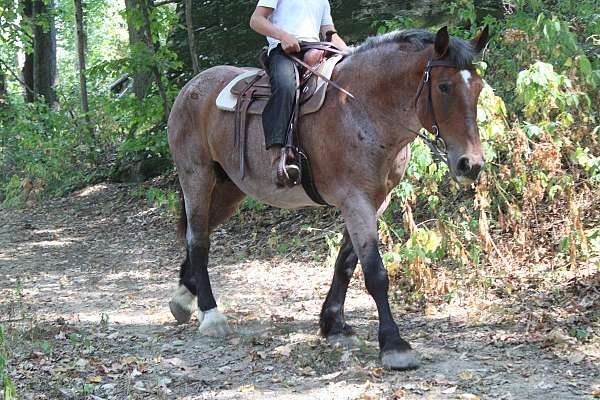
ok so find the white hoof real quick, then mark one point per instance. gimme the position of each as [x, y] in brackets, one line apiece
[182, 305]
[400, 360]
[214, 324]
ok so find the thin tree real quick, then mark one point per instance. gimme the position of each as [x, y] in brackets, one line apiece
[44, 50]
[81, 44]
[3, 97]
[189, 23]
[142, 75]
[27, 71]
[154, 46]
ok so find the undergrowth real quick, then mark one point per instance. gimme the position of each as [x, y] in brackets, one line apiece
[536, 203]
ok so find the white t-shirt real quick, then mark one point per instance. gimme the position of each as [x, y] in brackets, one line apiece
[300, 18]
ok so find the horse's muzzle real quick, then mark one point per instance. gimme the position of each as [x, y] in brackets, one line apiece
[468, 168]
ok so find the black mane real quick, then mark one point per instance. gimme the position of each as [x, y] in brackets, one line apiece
[460, 51]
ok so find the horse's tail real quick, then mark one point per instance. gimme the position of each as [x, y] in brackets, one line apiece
[182, 224]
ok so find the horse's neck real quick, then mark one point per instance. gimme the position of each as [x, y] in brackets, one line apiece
[387, 83]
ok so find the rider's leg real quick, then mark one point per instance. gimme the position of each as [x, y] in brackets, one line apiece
[277, 113]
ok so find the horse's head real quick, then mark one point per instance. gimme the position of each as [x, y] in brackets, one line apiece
[447, 102]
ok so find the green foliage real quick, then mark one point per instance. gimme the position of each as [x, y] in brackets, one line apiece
[9, 389]
[163, 198]
[542, 92]
[334, 241]
[50, 151]
[424, 244]
[589, 162]
[539, 129]
[42, 151]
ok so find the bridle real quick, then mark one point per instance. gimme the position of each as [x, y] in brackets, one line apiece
[437, 145]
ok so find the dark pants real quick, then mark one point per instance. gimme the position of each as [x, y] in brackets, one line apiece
[276, 116]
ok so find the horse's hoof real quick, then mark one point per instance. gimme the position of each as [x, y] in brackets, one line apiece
[400, 360]
[344, 341]
[214, 324]
[181, 314]
[182, 305]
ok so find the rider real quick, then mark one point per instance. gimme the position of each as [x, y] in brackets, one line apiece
[286, 23]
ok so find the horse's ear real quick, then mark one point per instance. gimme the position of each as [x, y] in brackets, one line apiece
[481, 40]
[442, 40]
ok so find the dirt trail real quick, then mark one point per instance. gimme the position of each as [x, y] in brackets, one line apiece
[84, 286]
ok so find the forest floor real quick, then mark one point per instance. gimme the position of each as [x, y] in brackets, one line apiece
[85, 281]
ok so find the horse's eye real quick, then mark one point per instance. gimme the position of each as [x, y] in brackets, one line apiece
[444, 88]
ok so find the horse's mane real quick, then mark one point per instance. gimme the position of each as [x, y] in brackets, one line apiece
[460, 51]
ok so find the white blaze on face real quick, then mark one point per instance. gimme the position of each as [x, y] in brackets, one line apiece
[466, 75]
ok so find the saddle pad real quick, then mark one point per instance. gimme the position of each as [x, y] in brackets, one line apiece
[226, 101]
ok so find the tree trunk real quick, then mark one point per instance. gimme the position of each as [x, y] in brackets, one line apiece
[44, 50]
[154, 47]
[189, 23]
[81, 43]
[27, 71]
[3, 97]
[142, 75]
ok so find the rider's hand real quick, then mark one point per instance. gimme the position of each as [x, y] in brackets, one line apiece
[290, 44]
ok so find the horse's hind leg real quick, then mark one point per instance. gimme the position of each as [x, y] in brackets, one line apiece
[332, 322]
[202, 218]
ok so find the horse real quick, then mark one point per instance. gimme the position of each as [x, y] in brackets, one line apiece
[358, 145]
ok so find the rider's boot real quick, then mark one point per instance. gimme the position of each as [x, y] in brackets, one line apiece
[284, 174]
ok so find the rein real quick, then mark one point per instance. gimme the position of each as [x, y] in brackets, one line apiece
[324, 46]
[437, 145]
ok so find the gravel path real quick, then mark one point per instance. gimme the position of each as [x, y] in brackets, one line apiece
[84, 286]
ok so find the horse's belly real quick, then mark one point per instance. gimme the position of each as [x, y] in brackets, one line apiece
[267, 192]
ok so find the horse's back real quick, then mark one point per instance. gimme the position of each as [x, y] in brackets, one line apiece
[203, 88]
[194, 110]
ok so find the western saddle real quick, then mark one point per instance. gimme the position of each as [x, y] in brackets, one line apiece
[253, 91]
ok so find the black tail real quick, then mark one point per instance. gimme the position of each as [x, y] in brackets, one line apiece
[182, 224]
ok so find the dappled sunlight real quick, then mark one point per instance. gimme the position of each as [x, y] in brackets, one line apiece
[126, 317]
[54, 231]
[6, 257]
[104, 295]
[494, 284]
[53, 243]
[144, 213]
[91, 190]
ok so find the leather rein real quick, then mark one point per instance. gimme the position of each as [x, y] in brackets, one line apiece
[437, 145]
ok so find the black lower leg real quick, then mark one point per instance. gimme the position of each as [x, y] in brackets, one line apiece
[332, 321]
[377, 283]
[187, 277]
[198, 256]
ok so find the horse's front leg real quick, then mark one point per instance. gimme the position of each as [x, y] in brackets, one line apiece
[361, 221]
[332, 322]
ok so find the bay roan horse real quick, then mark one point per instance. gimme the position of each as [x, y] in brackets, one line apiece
[358, 148]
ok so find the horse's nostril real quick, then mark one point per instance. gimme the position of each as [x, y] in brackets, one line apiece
[464, 165]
